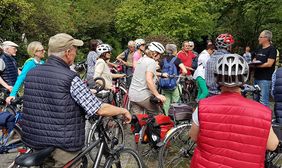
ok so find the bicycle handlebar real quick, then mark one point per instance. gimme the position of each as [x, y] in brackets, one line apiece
[16, 101]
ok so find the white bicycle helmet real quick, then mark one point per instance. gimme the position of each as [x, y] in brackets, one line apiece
[139, 42]
[103, 48]
[156, 46]
[231, 70]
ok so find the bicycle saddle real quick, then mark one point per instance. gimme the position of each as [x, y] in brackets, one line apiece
[35, 158]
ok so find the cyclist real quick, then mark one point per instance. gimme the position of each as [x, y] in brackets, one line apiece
[172, 96]
[231, 130]
[126, 57]
[143, 86]
[186, 56]
[36, 51]
[102, 69]
[223, 44]
[199, 74]
[91, 60]
[56, 101]
[140, 48]
[196, 54]
[8, 65]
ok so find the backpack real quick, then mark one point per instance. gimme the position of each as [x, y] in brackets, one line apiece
[170, 69]
[126, 53]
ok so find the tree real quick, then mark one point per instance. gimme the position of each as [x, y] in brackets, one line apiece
[181, 19]
[13, 15]
[246, 19]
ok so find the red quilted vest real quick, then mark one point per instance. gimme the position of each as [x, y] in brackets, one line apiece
[233, 133]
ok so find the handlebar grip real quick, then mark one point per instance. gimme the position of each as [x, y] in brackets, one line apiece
[17, 101]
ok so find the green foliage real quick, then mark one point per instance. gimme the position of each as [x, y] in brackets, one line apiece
[181, 19]
[245, 19]
[118, 21]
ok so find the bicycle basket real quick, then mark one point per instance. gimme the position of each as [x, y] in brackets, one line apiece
[180, 112]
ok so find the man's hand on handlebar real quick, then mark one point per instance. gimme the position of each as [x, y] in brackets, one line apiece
[127, 116]
[162, 98]
[9, 99]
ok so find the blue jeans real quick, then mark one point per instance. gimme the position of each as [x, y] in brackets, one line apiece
[265, 90]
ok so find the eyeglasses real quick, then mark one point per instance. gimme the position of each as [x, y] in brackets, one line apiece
[43, 50]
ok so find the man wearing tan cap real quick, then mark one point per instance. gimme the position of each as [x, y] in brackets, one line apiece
[56, 101]
[8, 65]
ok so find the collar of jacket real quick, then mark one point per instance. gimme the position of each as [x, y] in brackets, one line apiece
[58, 61]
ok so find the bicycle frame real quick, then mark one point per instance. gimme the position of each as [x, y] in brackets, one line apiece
[5, 147]
[104, 149]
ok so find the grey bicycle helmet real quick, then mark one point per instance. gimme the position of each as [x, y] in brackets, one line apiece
[231, 70]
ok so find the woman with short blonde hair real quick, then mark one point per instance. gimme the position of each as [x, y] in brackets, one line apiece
[36, 51]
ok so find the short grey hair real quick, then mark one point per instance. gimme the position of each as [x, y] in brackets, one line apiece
[171, 48]
[268, 34]
[57, 54]
[131, 43]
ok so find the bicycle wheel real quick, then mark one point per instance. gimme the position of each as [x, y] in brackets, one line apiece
[178, 148]
[125, 158]
[113, 129]
[13, 140]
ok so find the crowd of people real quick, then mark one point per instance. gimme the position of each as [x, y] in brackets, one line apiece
[225, 124]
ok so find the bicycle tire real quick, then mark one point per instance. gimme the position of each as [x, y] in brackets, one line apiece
[113, 161]
[93, 136]
[187, 145]
[17, 142]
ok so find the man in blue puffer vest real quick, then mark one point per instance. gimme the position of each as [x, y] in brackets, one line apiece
[56, 101]
[8, 65]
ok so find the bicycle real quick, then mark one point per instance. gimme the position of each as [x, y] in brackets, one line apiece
[81, 68]
[189, 90]
[112, 125]
[121, 98]
[149, 131]
[272, 156]
[251, 90]
[11, 132]
[116, 155]
[177, 148]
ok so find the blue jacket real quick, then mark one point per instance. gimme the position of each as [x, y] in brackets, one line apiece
[28, 65]
[277, 93]
[10, 73]
[51, 117]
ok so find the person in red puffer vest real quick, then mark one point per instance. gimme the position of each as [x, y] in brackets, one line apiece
[230, 130]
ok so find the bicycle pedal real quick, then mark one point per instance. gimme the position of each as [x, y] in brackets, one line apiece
[160, 144]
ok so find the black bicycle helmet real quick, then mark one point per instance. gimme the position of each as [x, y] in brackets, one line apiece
[231, 70]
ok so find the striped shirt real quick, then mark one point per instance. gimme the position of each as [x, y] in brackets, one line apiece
[210, 70]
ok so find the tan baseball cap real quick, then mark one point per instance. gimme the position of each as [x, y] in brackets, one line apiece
[62, 42]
